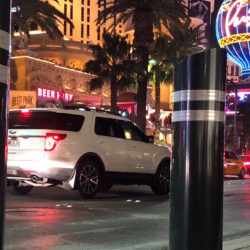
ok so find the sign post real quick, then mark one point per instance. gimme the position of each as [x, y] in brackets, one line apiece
[4, 82]
[196, 198]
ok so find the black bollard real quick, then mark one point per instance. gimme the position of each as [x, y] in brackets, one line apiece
[196, 198]
[4, 81]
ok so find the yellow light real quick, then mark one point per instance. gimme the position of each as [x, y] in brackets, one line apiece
[236, 38]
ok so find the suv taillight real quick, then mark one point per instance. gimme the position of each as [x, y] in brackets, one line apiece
[51, 140]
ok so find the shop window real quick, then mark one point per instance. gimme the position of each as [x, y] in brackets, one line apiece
[82, 14]
[237, 71]
[98, 34]
[71, 30]
[65, 9]
[88, 15]
[71, 12]
[88, 31]
[65, 28]
[232, 70]
[82, 30]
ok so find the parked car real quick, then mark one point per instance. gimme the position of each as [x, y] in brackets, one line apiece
[246, 160]
[233, 165]
[85, 150]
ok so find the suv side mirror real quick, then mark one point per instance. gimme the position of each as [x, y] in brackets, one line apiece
[151, 139]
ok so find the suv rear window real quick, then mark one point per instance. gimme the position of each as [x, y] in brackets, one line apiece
[45, 120]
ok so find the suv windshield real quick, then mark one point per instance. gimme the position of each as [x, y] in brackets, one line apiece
[45, 120]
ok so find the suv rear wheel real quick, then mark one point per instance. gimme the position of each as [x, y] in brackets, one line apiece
[89, 179]
[161, 183]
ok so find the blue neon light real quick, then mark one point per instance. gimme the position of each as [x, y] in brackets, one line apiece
[237, 53]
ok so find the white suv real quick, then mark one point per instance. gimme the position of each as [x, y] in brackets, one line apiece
[85, 150]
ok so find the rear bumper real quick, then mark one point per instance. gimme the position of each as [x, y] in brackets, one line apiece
[26, 169]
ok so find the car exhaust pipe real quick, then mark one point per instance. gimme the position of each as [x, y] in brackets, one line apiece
[35, 178]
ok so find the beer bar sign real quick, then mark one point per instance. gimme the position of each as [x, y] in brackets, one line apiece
[22, 99]
[54, 95]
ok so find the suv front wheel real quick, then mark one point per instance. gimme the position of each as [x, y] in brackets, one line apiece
[161, 183]
[89, 178]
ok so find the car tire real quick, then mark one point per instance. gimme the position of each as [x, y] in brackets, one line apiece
[161, 182]
[22, 190]
[89, 179]
[242, 174]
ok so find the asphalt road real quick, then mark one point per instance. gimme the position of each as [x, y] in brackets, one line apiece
[127, 217]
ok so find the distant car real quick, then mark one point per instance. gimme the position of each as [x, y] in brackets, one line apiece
[233, 165]
[246, 160]
[85, 150]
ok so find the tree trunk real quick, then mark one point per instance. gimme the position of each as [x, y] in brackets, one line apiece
[113, 93]
[143, 39]
[142, 90]
[157, 109]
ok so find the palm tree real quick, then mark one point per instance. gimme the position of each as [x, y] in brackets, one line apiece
[146, 15]
[41, 13]
[168, 50]
[112, 65]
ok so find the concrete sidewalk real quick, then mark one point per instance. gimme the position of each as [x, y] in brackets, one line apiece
[242, 243]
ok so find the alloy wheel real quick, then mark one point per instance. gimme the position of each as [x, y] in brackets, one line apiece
[89, 179]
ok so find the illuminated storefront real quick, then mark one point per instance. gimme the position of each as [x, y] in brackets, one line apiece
[53, 70]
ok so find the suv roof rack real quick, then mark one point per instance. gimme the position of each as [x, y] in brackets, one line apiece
[83, 107]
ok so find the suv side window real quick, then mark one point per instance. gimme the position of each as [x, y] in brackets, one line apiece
[131, 132]
[107, 127]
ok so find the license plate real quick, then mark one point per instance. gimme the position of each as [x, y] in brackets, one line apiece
[14, 142]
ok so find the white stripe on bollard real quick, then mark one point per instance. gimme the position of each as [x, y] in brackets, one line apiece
[4, 40]
[3, 74]
[199, 95]
[198, 115]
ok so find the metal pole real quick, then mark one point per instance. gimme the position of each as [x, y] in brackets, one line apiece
[4, 82]
[235, 118]
[196, 198]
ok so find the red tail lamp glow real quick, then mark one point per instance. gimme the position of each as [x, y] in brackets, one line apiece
[51, 140]
[24, 111]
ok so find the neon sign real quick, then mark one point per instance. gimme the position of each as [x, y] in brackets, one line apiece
[233, 32]
[54, 95]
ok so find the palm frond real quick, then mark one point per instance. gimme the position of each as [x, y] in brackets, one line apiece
[42, 13]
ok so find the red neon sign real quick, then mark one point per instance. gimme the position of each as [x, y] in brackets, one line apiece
[54, 95]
